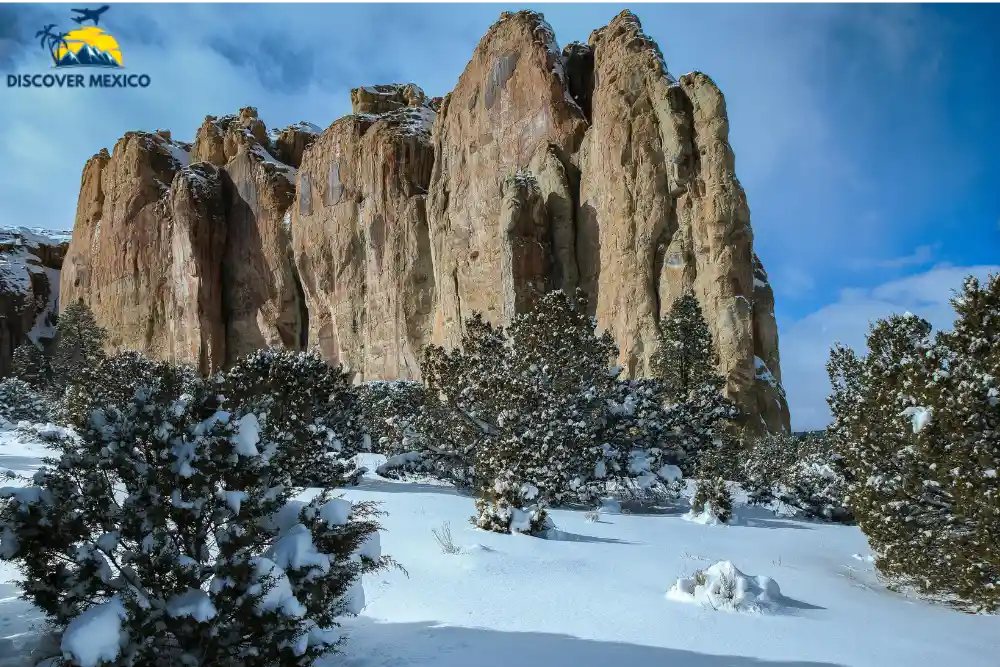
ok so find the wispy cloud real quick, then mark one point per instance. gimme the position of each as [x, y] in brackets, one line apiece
[806, 342]
[921, 256]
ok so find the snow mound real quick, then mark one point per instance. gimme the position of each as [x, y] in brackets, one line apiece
[723, 587]
[706, 517]
[95, 635]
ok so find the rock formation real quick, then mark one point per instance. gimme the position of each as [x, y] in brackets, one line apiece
[543, 169]
[185, 261]
[30, 261]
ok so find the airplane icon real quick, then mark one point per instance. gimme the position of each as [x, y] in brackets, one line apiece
[89, 14]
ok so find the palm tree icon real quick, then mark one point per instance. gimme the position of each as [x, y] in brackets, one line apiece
[51, 40]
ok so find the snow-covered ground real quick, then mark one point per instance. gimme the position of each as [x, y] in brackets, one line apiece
[596, 594]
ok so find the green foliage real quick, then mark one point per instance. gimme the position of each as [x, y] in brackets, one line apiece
[305, 401]
[529, 403]
[79, 346]
[20, 402]
[917, 422]
[386, 409]
[29, 364]
[685, 360]
[175, 502]
[801, 471]
[711, 495]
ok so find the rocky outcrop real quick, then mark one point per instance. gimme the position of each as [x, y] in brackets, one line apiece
[30, 261]
[190, 262]
[362, 243]
[662, 212]
[589, 167]
[510, 107]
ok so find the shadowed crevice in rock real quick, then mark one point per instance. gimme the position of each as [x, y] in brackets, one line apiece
[578, 59]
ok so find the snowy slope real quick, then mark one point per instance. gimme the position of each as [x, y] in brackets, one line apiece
[594, 595]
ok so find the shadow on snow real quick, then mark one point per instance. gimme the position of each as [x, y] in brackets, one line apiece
[373, 644]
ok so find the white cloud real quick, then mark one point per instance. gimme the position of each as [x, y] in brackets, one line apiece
[921, 256]
[805, 343]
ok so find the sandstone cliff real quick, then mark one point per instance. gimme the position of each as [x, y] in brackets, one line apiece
[191, 261]
[543, 169]
[30, 261]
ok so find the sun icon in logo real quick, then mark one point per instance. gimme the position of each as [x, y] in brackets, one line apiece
[87, 46]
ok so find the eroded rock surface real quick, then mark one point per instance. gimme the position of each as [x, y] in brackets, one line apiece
[544, 168]
[30, 261]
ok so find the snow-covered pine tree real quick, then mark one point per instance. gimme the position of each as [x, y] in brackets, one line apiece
[307, 403]
[904, 519]
[169, 530]
[801, 471]
[525, 407]
[20, 402]
[29, 363]
[556, 404]
[79, 346]
[387, 408]
[764, 462]
[817, 482]
[952, 408]
[712, 497]
[685, 360]
[697, 409]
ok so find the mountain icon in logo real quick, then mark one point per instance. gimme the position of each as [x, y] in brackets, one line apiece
[88, 46]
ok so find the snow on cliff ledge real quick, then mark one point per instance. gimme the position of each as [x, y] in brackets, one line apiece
[23, 254]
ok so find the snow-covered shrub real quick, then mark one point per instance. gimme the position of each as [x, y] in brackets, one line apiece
[917, 422]
[20, 402]
[29, 363]
[801, 471]
[723, 587]
[529, 402]
[167, 535]
[386, 409]
[307, 403]
[508, 508]
[712, 500]
[815, 483]
[764, 463]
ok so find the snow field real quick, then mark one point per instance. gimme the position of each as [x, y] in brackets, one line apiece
[595, 593]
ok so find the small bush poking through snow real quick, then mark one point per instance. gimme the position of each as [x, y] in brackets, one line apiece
[723, 587]
[506, 508]
[712, 501]
[443, 537]
[166, 534]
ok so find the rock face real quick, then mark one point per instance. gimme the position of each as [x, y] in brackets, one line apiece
[661, 212]
[190, 262]
[362, 244]
[30, 261]
[543, 169]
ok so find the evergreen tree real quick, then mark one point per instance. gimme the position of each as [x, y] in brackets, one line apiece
[712, 497]
[79, 346]
[305, 402]
[29, 363]
[522, 408]
[20, 402]
[173, 520]
[697, 410]
[685, 360]
[387, 410]
[917, 423]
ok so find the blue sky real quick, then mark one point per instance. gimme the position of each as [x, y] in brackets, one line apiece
[866, 136]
